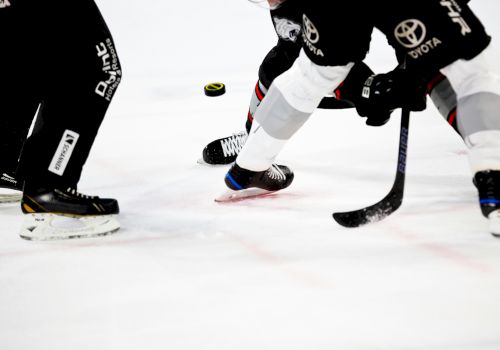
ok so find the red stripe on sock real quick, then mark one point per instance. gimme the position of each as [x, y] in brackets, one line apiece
[260, 94]
[452, 116]
[432, 84]
[337, 91]
[250, 117]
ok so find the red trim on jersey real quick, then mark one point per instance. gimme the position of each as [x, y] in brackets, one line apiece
[452, 116]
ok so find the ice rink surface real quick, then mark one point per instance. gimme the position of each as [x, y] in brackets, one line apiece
[277, 273]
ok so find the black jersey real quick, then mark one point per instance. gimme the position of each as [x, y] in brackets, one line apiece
[287, 21]
[428, 34]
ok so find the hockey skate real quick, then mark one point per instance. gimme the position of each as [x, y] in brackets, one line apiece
[488, 186]
[10, 188]
[225, 150]
[63, 214]
[245, 183]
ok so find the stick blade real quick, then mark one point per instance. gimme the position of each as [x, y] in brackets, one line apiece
[373, 213]
[393, 200]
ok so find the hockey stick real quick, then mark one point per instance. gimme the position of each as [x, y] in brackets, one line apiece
[392, 201]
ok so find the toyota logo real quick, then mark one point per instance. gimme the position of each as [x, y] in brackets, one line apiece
[410, 33]
[310, 30]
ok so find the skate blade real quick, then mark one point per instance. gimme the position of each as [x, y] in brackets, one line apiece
[236, 196]
[13, 197]
[201, 161]
[47, 226]
[494, 223]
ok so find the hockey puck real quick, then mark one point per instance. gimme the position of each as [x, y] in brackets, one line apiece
[215, 89]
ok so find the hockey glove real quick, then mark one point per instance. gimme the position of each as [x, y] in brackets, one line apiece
[351, 90]
[386, 92]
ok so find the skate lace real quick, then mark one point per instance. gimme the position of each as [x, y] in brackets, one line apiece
[275, 173]
[75, 193]
[232, 145]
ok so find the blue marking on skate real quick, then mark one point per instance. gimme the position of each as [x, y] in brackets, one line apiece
[233, 182]
[488, 201]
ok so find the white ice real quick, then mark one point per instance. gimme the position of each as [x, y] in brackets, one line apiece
[185, 273]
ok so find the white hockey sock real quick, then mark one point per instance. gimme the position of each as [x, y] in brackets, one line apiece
[260, 149]
[484, 150]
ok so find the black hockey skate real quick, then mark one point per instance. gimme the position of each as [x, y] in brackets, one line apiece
[224, 150]
[67, 202]
[62, 214]
[11, 188]
[245, 183]
[488, 186]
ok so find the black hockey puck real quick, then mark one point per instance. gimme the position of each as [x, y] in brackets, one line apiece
[215, 89]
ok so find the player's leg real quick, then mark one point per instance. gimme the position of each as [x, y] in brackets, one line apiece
[444, 98]
[17, 110]
[451, 38]
[226, 149]
[287, 23]
[18, 102]
[475, 78]
[295, 94]
[279, 59]
[17, 115]
[477, 83]
[81, 71]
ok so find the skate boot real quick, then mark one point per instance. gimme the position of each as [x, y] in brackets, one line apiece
[10, 188]
[63, 214]
[224, 150]
[245, 183]
[488, 186]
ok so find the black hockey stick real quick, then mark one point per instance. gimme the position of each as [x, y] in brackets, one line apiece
[392, 201]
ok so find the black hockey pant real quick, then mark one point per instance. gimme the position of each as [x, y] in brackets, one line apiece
[57, 56]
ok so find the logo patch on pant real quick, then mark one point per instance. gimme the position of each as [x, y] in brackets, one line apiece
[111, 70]
[63, 152]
